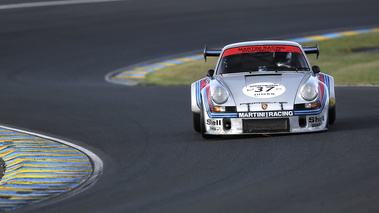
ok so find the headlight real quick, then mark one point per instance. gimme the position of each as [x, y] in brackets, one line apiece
[309, 92]
[219, 95]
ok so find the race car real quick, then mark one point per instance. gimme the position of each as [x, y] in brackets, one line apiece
[263, 87]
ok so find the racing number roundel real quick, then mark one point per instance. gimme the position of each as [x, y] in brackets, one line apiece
[264, 90]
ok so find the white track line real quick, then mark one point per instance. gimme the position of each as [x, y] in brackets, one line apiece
[51, 3]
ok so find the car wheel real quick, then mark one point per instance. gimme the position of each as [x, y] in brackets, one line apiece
[196, 122]
[332, 115]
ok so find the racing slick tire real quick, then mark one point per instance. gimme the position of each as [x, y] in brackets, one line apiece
[196, 122]
[332, 115]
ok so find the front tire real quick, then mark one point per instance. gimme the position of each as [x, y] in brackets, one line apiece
[196, 122]
[332, 115]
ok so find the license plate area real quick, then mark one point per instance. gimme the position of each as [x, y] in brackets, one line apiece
[265, 125]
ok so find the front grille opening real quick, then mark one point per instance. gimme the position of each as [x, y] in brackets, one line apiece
[302, 121]
[265, 125]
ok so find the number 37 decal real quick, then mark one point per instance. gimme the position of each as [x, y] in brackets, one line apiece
[264, 90]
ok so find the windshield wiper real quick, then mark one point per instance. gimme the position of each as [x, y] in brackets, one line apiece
[281, 65]
[302, 68]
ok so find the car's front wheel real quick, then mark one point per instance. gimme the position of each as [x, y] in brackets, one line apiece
[332, 115]
[196, 122]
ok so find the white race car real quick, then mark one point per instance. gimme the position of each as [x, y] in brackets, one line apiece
[263, 87]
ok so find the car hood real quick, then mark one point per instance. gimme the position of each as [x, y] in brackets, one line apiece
[260, 92]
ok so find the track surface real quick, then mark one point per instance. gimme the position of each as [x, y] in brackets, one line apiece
[52, 67]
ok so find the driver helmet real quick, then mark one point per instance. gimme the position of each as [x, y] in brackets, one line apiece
[283, 57]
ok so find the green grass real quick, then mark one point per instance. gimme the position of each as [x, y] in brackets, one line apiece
[338, 57]
[182, 74]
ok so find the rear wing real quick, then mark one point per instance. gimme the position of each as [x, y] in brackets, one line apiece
[217, 52]
[212, 53]
[312, 50]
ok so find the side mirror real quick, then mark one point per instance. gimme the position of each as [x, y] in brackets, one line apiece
[316, 69]
[210, 73]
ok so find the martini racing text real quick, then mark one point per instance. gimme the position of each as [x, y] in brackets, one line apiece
[265, 114]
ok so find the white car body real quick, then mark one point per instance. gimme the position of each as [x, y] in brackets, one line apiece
[271, 98]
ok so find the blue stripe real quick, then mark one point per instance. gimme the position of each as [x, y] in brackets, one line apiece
[52, 168]
[196, 57]
[36, 153]
[27, 139]
[204, 93]
[155, 65]
[301, 40]
[198, 90]
[147, 69]
[173, 61]
[36, 157]
[44, 157]
[49, 163]
[48, 173]
[63, 180]
[28, 144]
[18, 136]
[224, 115]
[132, 74]
[364, 31]
[42, 149]
[328, 81]
[31, 193]
[333, 35]
[18, 201]
[41, 186]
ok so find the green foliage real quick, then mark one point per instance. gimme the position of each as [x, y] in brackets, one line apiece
[349, 59]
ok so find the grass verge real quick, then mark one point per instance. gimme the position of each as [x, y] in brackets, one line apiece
[351, 60]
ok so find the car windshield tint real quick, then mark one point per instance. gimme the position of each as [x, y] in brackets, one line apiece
[262, 61]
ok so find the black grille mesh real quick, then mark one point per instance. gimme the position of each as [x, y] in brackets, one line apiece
[265, 125]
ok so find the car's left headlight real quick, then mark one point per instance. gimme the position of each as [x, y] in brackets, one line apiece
[219, 95]
[309, 92]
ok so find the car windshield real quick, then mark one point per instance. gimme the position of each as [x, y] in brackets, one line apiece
[251, 60]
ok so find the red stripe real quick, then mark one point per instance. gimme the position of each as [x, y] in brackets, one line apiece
[262, 48]
[321, 91]
[208, 97]
[203, 83]
[321, 77]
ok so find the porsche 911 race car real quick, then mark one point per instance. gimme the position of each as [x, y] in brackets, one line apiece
[263, 87]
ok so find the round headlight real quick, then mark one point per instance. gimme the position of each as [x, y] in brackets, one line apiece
[219, 95]
[309, 92]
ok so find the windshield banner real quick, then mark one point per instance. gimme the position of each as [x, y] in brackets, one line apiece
[263, 48]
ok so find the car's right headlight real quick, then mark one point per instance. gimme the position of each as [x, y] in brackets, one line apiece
[219, 95]
[309, 92]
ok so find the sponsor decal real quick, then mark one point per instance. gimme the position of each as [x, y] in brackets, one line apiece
[264, 106]
[215, 129]
[315, 119]
[271, 102]
[214, 122]
[272, 114]
[264, 90]
[261, 48]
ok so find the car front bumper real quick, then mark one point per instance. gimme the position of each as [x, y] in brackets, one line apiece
[281, 125]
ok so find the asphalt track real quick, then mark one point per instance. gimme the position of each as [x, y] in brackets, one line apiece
[52, 66]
